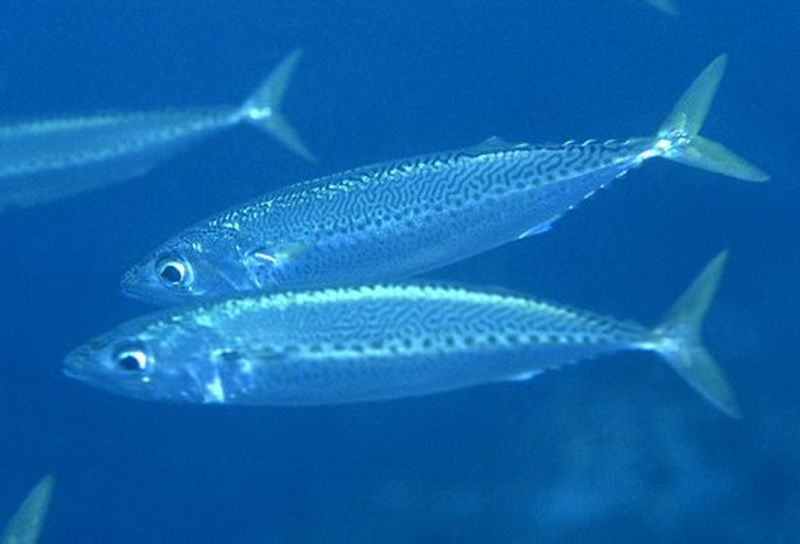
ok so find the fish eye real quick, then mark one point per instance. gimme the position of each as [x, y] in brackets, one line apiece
[174, 272]
[132, 358]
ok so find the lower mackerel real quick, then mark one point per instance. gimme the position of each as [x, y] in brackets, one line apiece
[379, 342]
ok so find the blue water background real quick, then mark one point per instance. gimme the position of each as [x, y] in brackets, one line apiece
[617, 448]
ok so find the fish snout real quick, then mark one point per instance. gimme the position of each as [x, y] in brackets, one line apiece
[77, 363]
[136, 283]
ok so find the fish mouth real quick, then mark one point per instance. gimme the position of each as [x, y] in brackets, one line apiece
[131, 291]
[75, 365]
[134, 286]
[129, 284]
[69, 373]
[82, 362]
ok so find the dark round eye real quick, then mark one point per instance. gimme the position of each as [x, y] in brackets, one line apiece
[131, 358]
[174, 272]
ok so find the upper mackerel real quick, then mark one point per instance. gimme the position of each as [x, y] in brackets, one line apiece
[393, 220]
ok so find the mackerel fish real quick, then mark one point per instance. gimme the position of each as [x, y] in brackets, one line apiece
[46, 159]
[395, 220]
[352, 344]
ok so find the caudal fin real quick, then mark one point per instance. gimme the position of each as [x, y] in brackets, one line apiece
[678, 138]
[678, 339]
[665, 6]
[26, 525]
[262, 108]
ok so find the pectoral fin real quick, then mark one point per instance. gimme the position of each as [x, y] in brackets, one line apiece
[262, 261]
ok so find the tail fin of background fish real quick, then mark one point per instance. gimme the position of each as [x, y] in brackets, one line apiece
[26, 525]
[678, 138]
[667, 7]
[262, 108]
[677, 339]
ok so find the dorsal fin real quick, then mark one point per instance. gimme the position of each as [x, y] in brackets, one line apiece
[494, 144]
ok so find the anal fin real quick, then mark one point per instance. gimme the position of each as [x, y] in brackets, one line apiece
[540, 228]
[524, 376]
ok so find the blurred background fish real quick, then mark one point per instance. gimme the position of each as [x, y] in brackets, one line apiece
[26, 525]
[48, 159]
[667, 7]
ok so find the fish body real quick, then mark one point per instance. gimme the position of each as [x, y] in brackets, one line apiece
[341, 345]
[388, 221]
[47, 159]
[397, 219]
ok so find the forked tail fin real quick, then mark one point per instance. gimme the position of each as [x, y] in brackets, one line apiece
[262, 108]
[678, 138]
[677, 339]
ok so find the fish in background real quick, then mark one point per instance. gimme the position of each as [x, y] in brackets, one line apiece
[48, 159]
[667, 7]
[343, 345]
[26, 525]
[397, 219]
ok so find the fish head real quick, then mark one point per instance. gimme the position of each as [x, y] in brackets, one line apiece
[154, 359]
[200, 264]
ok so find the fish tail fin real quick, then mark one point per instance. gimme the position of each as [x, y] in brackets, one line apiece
[262, 108]
[667, 7]
[678, 341]
[27, 522]
[678, 138]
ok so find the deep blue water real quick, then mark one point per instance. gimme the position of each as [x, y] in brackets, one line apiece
[617, 448]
